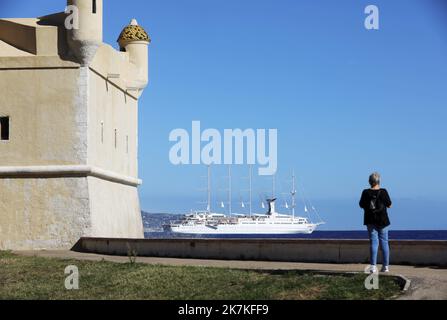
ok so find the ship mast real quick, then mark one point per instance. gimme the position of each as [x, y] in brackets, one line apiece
[293, 193]
[250, 179]
[273, 185]
[229, 189]
[209, 189]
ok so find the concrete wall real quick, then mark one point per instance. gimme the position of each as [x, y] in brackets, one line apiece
[295, 250]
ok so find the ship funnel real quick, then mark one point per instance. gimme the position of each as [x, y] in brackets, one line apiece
[271, 203]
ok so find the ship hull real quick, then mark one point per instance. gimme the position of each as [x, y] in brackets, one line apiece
[244, 229]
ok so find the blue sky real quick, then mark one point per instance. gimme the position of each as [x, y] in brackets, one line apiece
[346, 101]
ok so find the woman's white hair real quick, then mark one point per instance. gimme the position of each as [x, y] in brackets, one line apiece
[374, 179]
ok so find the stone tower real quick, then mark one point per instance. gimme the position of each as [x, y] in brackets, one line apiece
[68, 124]
[86, 37]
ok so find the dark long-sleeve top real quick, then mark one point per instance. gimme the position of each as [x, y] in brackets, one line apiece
[379, 219]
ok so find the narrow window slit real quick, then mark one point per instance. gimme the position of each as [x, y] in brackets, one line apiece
[4, 128]
[127, 144]
[102, 131]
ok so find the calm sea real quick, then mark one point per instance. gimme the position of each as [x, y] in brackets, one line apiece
[396, 235]
[153, 225]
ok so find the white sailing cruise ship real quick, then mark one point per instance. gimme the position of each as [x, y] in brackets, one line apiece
[209, 223]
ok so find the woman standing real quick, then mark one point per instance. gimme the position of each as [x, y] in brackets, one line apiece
[375, 201]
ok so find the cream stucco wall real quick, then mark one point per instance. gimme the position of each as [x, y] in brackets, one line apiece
[43, 213]
[48, 124]
[58, 122]
[116, 210]
[26, 34]
[45, 122]
[111, 109]
[61, 174]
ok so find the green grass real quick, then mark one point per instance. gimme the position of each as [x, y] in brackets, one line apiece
[43, 278]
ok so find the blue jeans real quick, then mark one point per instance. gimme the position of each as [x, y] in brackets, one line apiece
[377, 235]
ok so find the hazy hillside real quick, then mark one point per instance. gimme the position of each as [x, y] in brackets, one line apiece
[153, 222]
